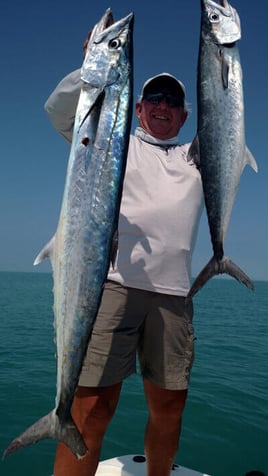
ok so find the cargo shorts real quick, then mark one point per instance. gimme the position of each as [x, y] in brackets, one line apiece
[130, 322]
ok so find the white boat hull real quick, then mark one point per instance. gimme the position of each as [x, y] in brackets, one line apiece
[135, 465]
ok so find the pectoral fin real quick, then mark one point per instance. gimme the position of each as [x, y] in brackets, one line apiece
[193, 152]
[46, 252]
[224, 70]
[249, 159]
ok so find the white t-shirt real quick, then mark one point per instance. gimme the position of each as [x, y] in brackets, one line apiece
[160, 210]
[161, 205]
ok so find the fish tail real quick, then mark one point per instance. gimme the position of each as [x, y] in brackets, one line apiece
[229, 267]
[50, 427]
[215, 267]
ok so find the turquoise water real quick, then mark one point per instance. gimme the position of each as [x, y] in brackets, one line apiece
[225, 428]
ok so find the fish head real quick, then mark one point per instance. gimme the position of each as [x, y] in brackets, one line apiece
[109, 51]
[220, 22]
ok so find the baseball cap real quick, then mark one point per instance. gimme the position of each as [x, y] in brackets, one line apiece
[163, 79]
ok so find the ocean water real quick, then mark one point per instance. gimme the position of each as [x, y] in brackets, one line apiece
[225, 426]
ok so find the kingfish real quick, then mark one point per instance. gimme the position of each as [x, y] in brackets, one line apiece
[219, 146]
[80, 251]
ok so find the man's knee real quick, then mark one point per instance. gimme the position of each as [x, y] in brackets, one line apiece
[166, 405]
[94, 407]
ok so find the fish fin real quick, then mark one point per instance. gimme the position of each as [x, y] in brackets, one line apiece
[193, 152]
[46, 252]
[224, 70]
[215, 267]
[114, 248]
[207, 273]
[249, 159]
[50, 427]
[229, 267]
[95, 97]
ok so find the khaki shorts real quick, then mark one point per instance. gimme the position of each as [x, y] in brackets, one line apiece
[157, 326]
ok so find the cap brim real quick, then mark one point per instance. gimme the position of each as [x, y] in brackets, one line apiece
[164, 80]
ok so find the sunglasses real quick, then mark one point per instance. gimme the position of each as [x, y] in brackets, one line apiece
[172, 101]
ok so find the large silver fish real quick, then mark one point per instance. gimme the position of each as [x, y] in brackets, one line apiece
[81, 248]
[219, 146]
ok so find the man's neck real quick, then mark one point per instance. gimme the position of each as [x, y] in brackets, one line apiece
[142, 134]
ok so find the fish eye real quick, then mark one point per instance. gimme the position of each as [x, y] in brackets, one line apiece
[214, 17]
[115, 44]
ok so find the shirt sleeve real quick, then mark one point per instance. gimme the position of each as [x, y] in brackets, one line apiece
[62, 103]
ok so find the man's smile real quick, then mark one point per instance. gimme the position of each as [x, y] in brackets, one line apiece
[158, 116]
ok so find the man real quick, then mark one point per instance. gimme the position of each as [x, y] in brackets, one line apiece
[143, 307]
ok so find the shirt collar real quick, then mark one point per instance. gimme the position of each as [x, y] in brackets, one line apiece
[166, 143]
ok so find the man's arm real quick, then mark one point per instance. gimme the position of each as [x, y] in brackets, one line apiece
[62, 103]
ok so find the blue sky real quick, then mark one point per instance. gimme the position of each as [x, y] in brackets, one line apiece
[42, 42]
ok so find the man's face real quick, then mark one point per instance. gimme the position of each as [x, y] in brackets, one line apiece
[160, 120]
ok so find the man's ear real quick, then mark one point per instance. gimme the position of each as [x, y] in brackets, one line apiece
[184, 117]
[138, 109]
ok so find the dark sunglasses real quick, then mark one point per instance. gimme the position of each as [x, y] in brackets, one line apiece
[172, 101]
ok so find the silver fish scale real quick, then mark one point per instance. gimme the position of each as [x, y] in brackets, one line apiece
[221, 139]
[80, 250]
[87, 259]
[219, 146]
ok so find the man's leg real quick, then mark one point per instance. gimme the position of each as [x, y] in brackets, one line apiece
[163, 427]
[92, 411]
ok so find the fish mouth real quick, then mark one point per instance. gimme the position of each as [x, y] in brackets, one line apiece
[222, 5]
[106, 21]
[109, 19]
